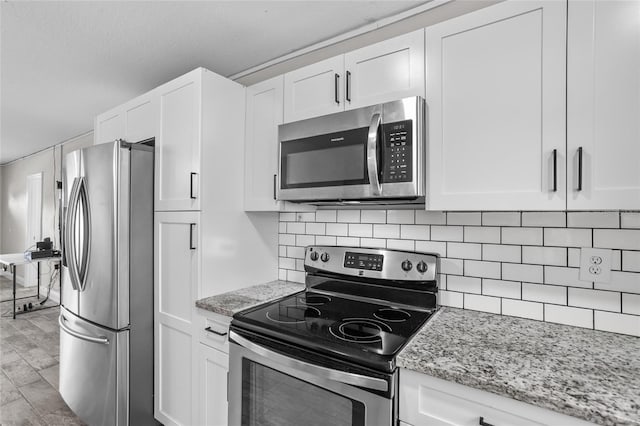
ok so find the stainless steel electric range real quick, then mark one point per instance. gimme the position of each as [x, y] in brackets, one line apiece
[326, 355]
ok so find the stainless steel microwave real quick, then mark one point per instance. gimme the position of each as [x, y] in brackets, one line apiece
[374, 154]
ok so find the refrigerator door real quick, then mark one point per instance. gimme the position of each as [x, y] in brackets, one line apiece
[94, 364]
[70, 289]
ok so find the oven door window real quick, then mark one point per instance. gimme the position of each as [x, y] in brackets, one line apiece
[272, 398]
[335, 159]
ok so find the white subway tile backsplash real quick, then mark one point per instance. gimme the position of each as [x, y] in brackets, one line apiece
[465, 218]
[522, 236]
[544, 293]
[400, 216]
[631, 261]
[501, 219]
[295, 252]
[520, 272]
[450, 298]
[306, 217]
[295, 228]
[295, 276]
[557, 275]
[616, 260]
[593, 220]
[424, 217]
[287, 263]
[522, 309]
[482, 303]
[326, 215]
[432, 247]
[373, 216]
[630, 220]
[627, 282]
[479, 268]
[305, 240]
[451, 266]
[595, 299]
[464, 250]
[373, 242]
[626, 239]
[386, 231]
[481, 234]
[573, 255]
[338, 229]
[446, 233]
[567, 315]
[502, 253]
[282, 227]
[299, 264]
[287, 217]
[349, 216]
[326, 240]
[282, 274]
[401, 245]
[348, 241]
[631, 304]
[566, 237]
[617, 323]
[500, 288]
[287, 239]
[414, 232]
[464, 284]
[442, 281]
[545, 219]
[360, 230]
[282, 251]
[316, 228]
[544, 255]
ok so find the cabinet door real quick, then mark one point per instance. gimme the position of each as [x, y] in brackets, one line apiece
[109, 126]
[314, 90]
[141, 118]
[385, 71]
[603, 105]
[496, 103]
[178, 144]
[214, 366]
[176, 281]
[264, 114]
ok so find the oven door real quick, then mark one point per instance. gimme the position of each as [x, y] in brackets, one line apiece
[268, 388]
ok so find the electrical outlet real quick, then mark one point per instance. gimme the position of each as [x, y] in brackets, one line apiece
[595, 265]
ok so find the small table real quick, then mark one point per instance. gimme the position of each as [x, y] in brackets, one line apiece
[10, 261]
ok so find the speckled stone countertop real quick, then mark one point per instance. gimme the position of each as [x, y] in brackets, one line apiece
[235, 301]
[592, 375]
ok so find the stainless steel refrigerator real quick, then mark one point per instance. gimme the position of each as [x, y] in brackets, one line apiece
[106, 319]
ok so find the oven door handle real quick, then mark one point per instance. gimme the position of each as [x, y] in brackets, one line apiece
[335, 375]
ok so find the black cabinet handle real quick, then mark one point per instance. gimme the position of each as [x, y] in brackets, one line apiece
[193, 197]
[555, 170]
[210, 330]
[275, 177]
[347, 92]
[336, 79]
[580, 169]
[483, 423]
[191, 228]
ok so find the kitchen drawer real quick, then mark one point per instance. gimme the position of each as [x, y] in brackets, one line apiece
[213, 330]
[425, 400]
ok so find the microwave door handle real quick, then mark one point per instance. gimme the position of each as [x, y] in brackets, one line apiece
[311, 369]
[372, 154]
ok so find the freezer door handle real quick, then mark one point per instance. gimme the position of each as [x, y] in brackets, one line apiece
[101, 339]
[69, 249]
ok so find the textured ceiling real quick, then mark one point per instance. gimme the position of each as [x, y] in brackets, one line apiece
[63, 62]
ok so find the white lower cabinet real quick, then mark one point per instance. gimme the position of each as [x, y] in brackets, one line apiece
[426, 400]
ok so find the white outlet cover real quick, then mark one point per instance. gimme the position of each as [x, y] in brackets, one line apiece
[592, 260]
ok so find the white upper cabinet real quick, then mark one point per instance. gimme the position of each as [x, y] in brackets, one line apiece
[385, 71]
[133, 121]
[603, 105]
[264, 114]
[109, 126]
[496, 108]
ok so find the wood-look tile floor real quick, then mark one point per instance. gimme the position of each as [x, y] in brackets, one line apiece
[29, 349]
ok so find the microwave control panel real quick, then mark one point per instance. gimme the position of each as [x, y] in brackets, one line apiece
[398, 152]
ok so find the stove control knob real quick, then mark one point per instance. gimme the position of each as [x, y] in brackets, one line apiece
[422, 267]
[324, 257]
[314, 255]
[406, 265]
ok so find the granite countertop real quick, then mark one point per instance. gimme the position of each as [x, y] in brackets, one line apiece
[592, 375]
[235, 301]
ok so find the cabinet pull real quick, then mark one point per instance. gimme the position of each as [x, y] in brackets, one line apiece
[555, 170]
[193, 197]
[579, 169]
[347, 92]
[275, 177]
[483, 423]
[191, 227]
[210, 330]
[336, 79]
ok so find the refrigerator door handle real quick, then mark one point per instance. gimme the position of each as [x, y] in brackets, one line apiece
[101, 339]
[70, 222]
[86, 234]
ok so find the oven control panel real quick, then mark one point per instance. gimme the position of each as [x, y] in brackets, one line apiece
[374, 263]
